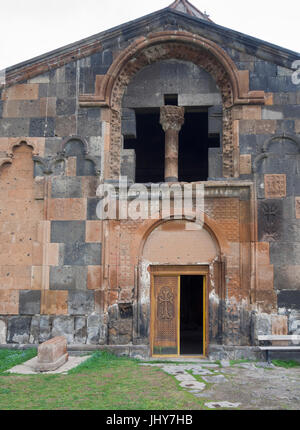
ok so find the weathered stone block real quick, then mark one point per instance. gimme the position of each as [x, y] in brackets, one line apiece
[45, 328]
[54, 302]
[89, 122]
[65, 125]
[30, 302]
[82, 254]
[284, 253]
[41, 127]
[68, 278]
[95, 145]
[263, 325]
[215, 163]
[66, 187]
[93, 231]
[52, 354]
[67, 231]
[81, 303]
[272, 112]
[14, 127]
[94, 277]
[129, 123]
[294, 322]
[70, 71]
[96, 330]
[34, 329]
[67, 209]
[279, 325]
[18, 330]
[65, 106]
[128, 164]
[285, 126]
[287, 277]
[91, 209]
[245, 164]
[80, 333]
[63, 326]
[289, 299]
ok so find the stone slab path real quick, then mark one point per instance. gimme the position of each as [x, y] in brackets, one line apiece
[245, 386]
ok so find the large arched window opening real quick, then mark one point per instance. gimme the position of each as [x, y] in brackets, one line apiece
[172, 83]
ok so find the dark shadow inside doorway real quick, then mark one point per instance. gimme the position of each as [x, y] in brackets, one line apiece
[191, 315]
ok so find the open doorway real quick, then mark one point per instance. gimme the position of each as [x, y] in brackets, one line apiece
[191, 315]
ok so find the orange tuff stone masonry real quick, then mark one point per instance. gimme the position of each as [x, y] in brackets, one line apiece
[20, 215]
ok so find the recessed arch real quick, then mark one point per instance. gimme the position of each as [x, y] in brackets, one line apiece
[265, 150]
[180, 45]
[208, 224]
[22, 141]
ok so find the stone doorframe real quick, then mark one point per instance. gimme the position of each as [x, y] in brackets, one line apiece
[179, 45]
[213, 271]
[178, 271]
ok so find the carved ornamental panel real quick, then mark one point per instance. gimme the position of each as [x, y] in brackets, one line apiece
[275, 186]
[165, 312]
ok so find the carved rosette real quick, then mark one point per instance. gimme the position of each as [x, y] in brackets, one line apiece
[171, 117]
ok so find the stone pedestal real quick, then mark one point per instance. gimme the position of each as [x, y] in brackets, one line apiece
[171, 120]
[52, 354]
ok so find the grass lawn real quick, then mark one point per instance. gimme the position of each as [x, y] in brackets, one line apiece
[103, 382]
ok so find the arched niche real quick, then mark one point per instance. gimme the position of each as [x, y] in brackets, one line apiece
[180, 242]
[179, 45]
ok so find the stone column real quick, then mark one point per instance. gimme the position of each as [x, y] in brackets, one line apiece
[171, 120]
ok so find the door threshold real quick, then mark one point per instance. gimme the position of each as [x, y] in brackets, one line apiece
[178, 357]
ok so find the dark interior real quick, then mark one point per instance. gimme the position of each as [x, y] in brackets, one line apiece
[191, 315]
[150, 147]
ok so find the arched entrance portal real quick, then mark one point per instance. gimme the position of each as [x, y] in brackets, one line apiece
[179, 255]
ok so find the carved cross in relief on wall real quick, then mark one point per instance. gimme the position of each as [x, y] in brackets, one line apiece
[165, 305]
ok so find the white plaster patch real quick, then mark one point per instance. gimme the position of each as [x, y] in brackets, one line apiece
[214, 298]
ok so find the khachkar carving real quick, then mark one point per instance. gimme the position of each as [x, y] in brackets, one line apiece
[270, 220]
[171, 120]
[275, 186]
[165, 304]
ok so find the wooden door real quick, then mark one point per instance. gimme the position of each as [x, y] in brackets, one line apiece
[165, 315]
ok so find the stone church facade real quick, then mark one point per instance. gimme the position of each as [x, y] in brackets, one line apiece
[170, 98]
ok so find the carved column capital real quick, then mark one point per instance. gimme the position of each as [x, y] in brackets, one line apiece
[171, 117]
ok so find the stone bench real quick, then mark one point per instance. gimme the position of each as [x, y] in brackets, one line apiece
[52, 354]
[279, 343]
